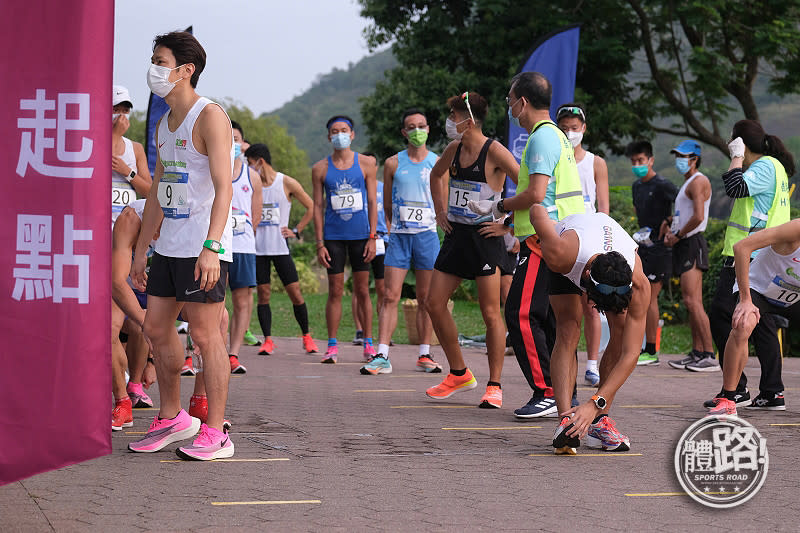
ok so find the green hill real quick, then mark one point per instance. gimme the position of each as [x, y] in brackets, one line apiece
[337, 92]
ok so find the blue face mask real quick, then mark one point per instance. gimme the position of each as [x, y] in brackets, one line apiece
[640, 171]
[341, 141]
[514, 120]
[237, 149]
[682, 164]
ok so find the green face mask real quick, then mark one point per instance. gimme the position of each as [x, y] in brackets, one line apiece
[417, 137]
[640, 171]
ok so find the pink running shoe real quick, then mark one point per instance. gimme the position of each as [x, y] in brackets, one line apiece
[165, 431]
[723, 406]
[331, 355]
[210, 444]
[138, 396]
[369, 352]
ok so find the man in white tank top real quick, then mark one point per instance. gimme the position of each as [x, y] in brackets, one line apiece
[769, 285]
[245, 217]
[593, 172]
[188, 274]
[272, 249]
[684, 234]
[130, 176]
[596, 254]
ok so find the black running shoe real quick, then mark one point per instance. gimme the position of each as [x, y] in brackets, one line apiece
[562, 443]
[769, 401]
[742, 399]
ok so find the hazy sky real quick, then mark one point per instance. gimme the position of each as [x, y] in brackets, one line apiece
[260, 52]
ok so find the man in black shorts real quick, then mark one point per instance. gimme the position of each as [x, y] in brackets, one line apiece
[690, 253]
[477, 167]
[652, 198]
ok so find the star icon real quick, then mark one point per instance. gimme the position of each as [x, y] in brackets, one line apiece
[707, 489]
[722, 490]
[736, 489]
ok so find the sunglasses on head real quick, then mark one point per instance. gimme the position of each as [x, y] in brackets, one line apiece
[465, 96]
[570, 110]
[606, 289]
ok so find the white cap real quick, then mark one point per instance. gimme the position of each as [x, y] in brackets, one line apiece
[120, 95]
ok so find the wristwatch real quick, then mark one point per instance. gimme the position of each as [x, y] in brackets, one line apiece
[373, 236]
[214, 246]
[129, 177]
[599, 401]
[500, 206]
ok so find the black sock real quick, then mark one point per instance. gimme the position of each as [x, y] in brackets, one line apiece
[265, 319]
[707, 354]
[650, 348]
[301, 315]
[493, 383]
[596, 420]
[729, 394]
[461, 372]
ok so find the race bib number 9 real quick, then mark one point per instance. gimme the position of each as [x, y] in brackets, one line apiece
[173, 194]
[270, 215]
[351, 202]
[782, 293]
[461, 192]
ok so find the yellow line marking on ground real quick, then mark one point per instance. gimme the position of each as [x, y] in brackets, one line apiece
[136, 433]
[231, 460]
[680, 375]
[272, 502]
[492, 429]
[784, 424]
[649, 494]
[433, 406]
[607, 454]
[146, 409]
[643, 406]
[385, 390]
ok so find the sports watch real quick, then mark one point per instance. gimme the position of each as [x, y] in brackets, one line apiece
[129, 177]
[214, 246]
[599, 401]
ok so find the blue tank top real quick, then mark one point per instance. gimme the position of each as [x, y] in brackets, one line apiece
[381, 215]
[346, 217]
[412, 204]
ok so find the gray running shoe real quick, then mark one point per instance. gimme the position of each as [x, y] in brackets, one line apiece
[691, 358]
[706, 364]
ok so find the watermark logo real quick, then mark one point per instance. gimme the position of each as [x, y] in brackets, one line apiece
[721, 461]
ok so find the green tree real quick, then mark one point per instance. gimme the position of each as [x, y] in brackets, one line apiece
[702, 57]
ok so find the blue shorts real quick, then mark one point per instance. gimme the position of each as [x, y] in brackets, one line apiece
[421, 248]
[242, 272]
[141, 297]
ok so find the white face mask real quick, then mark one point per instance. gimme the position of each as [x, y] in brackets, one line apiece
[158, 80]
[451, 128]
[575, 137]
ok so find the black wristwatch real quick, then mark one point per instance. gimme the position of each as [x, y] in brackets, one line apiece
[500, 206]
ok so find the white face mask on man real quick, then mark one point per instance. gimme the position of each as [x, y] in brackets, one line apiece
[575, 137]
[158, 80]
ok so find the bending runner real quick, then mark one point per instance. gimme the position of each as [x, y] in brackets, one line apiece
[245, 216]
[477, 167]
[409, 210]
[345, 227]
[599, 257]
[272, 247]
[192, 201]
[768, 285]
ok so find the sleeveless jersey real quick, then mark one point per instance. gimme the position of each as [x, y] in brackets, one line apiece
[469, 183]
[186, 191]
[381, 225]
[241, 217]
[346, 216]
[412, 204]
[776, 277]
[589, 187]
[597, 233]
[122, 192]
[275, 210]
[684, 209]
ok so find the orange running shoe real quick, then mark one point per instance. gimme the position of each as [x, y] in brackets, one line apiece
[236, 366]
[451, 385]
[493, 399]
[198, 407]
[188, 369]
[724, 407]
[267, 347]
[122, 415]
[308, 344]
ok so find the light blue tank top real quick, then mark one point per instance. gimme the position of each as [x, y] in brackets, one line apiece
[346, 205]
[412, 205]
[381, 215]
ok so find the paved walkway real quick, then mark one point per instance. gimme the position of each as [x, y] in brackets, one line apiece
[321, 447]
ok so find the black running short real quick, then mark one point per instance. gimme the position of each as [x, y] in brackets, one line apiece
[468, 254]
[688, 253]
[508, 266]
[561, 284]
[377, 266]
[792, 312]
[340, 251]
[284, 266]
[173, 277]
[656, 262]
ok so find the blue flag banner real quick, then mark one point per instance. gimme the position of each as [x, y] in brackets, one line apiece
[155, 110]
[556, 56]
